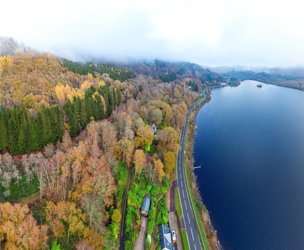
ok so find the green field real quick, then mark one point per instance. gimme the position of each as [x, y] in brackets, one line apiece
[185, 239]
[178, 203]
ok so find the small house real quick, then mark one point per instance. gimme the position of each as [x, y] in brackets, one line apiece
[165, 240]
[146, 205]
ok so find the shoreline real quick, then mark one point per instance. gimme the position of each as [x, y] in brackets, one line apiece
[210, 232]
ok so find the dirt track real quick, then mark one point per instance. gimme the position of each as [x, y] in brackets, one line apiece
[174, 227]
[140, 241]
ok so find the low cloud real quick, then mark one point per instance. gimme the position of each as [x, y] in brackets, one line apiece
[218, 32]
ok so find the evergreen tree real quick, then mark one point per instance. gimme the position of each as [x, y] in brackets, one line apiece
[111, 98]
[21, 133]
[35, 141]
[13, 137]
[118, 97]
[3, 133]
[84, 117]
[76, 110]
[22, 147]
[89, 107]
[99, 108]
[47, 130]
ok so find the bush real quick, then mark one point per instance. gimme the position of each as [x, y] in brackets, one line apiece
[162, 213]
[151, 221]
[55, 246]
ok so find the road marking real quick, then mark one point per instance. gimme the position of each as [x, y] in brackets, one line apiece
[186, 205]
[183, 192]
[192, 233]
[189, 220]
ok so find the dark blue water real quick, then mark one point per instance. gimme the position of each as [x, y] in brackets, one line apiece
[250, 142]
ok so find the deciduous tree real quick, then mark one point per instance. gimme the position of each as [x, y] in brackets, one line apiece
[167, 139]
[139, 160]
[19, 230]
[125, 150]
[169, 161]
[159, 169]
[144, 136]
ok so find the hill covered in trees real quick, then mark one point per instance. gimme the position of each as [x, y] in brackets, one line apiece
[74, 137]
[114, 71]
[176, 71]
[281, 77]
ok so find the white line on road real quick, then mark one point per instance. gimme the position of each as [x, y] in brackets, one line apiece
[186, 205]
[188, 220]
[192, 233]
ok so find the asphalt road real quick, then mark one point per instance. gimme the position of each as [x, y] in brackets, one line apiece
[188, 216]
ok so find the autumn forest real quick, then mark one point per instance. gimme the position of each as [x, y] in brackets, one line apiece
[76, 142]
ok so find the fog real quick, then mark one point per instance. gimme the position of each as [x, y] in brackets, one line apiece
[211, 33]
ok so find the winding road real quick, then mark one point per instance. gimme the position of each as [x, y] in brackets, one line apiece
[188, 214]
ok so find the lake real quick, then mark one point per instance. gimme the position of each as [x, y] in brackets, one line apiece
[250, 144]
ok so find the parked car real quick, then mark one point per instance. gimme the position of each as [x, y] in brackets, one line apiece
[173, 235]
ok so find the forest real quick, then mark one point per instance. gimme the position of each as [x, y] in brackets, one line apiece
[115, 72]
[74, 141]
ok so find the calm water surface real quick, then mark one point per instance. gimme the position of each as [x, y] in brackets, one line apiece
[250, 142]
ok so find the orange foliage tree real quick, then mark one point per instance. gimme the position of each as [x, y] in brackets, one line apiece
[19, 230]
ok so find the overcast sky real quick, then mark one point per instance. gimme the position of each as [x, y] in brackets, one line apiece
[212, 32]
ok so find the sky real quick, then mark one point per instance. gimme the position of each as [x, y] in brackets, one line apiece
[211, 33]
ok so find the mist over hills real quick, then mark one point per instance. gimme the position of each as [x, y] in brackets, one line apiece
[292, 77]
[9, 46]
[285, 77]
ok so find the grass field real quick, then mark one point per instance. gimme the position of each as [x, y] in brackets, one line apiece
[185, 239]
[178, 203]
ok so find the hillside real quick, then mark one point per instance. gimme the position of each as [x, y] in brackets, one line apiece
[74, 136]
[281, 77]
[176, 71]
[32, 75]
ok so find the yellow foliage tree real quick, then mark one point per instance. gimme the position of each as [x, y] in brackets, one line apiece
[124, 150]
[116, 216]
[101, 83]
[57, 215]
[85, 85]
[139, 160]
[61, 91]
[144, 136]
[169, 161]
[159, 169]
[65, 92]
